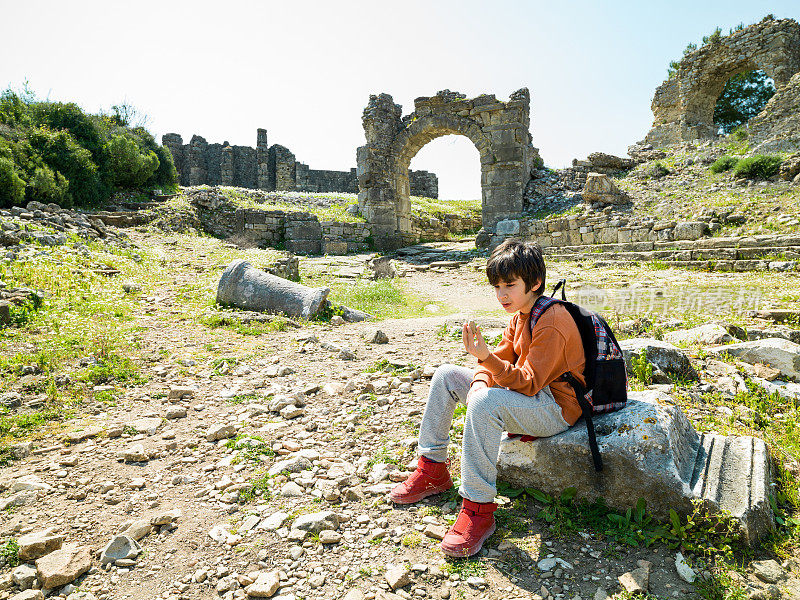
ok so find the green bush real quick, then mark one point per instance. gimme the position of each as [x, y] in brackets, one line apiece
[129, 165]
[760, 166]
[166, 175]
[12, 187]
[723, 163]
[62, 153]
[83, 128]
[56, 152]
[49, 186]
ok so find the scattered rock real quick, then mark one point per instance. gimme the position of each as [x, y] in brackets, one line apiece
[120, 547]
[265, 585]
[316, 522]
[685, 572]
[778, 353]
[36, 545]
[374, 335]
[768, 571]
[665, 356]
[397, 576]
[63, 566]
[636, 581]
[220, 432]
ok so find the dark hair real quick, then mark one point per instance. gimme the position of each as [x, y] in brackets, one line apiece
[513, 259]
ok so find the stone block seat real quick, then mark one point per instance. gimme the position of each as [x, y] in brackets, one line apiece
[650, 450]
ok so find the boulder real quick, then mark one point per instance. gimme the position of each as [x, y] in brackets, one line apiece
[37, 544]
[708, 334]
[120, 547]
[265, 585]
[135, 453]
[600, 188]
[220, 431]
[665, 356]
[650, 451]
[381, 267]
[63, 566]
[690, 230]
[147, 425]
[316, 522]
[29, 483]
[29, 595]
[609, 161]
[778, 353]
[790, 168]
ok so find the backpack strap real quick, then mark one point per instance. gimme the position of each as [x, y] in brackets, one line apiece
[586, 409]
[562, 285]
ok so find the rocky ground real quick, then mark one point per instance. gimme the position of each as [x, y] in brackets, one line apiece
[256, 465]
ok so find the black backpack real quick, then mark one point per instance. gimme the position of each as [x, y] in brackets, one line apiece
[606, 379]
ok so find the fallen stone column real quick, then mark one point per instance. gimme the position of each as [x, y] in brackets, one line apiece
[650, 451]
[244, 286]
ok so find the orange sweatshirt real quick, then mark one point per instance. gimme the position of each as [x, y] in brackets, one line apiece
[527, 363]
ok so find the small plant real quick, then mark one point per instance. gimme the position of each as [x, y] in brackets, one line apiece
[250, 447]
[411, 540]
[642, 369]
[258, 487]
[9, 550]
[723, 163]
[465, 567]
[760, 166]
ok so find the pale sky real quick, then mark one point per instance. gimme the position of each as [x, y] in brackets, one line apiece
[305, 70]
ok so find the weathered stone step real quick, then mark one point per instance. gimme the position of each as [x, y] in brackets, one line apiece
[599, 260]
[762, 241]
[124, 218]
[774, 253]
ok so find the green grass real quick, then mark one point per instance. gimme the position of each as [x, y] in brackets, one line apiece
[255, 328]
[384, 298]
[422, 206]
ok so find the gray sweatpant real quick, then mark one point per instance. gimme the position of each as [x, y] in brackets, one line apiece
[490, 411]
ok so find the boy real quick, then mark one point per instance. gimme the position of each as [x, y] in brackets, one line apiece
[517, 388]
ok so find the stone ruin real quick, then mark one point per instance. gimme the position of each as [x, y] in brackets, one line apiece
[265, 167]
[683, 106]
[499, 130]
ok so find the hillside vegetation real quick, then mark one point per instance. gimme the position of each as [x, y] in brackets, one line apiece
[56, 152]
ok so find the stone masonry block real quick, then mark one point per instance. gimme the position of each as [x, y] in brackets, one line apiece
[650, 450]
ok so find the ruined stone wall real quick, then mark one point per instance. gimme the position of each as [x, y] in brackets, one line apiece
[683, 106]
[777, 127]
[304, 233]
[267, 167]
[423, 183]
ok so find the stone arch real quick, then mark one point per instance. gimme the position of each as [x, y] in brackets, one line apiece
[499, 131]
[683, 106]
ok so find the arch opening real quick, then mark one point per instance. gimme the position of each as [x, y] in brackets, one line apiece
[456, 162]
[743, 96]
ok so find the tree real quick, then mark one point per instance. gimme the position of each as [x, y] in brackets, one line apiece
[743, 97]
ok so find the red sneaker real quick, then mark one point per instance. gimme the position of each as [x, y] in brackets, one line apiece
[428, 478]
[474, 525]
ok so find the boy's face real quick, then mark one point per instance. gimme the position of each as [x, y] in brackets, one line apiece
[513, 297]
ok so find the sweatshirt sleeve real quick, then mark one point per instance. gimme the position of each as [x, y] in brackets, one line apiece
[546, 362]
[504, 350]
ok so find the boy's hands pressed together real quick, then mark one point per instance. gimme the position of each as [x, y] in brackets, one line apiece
[474, 342]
